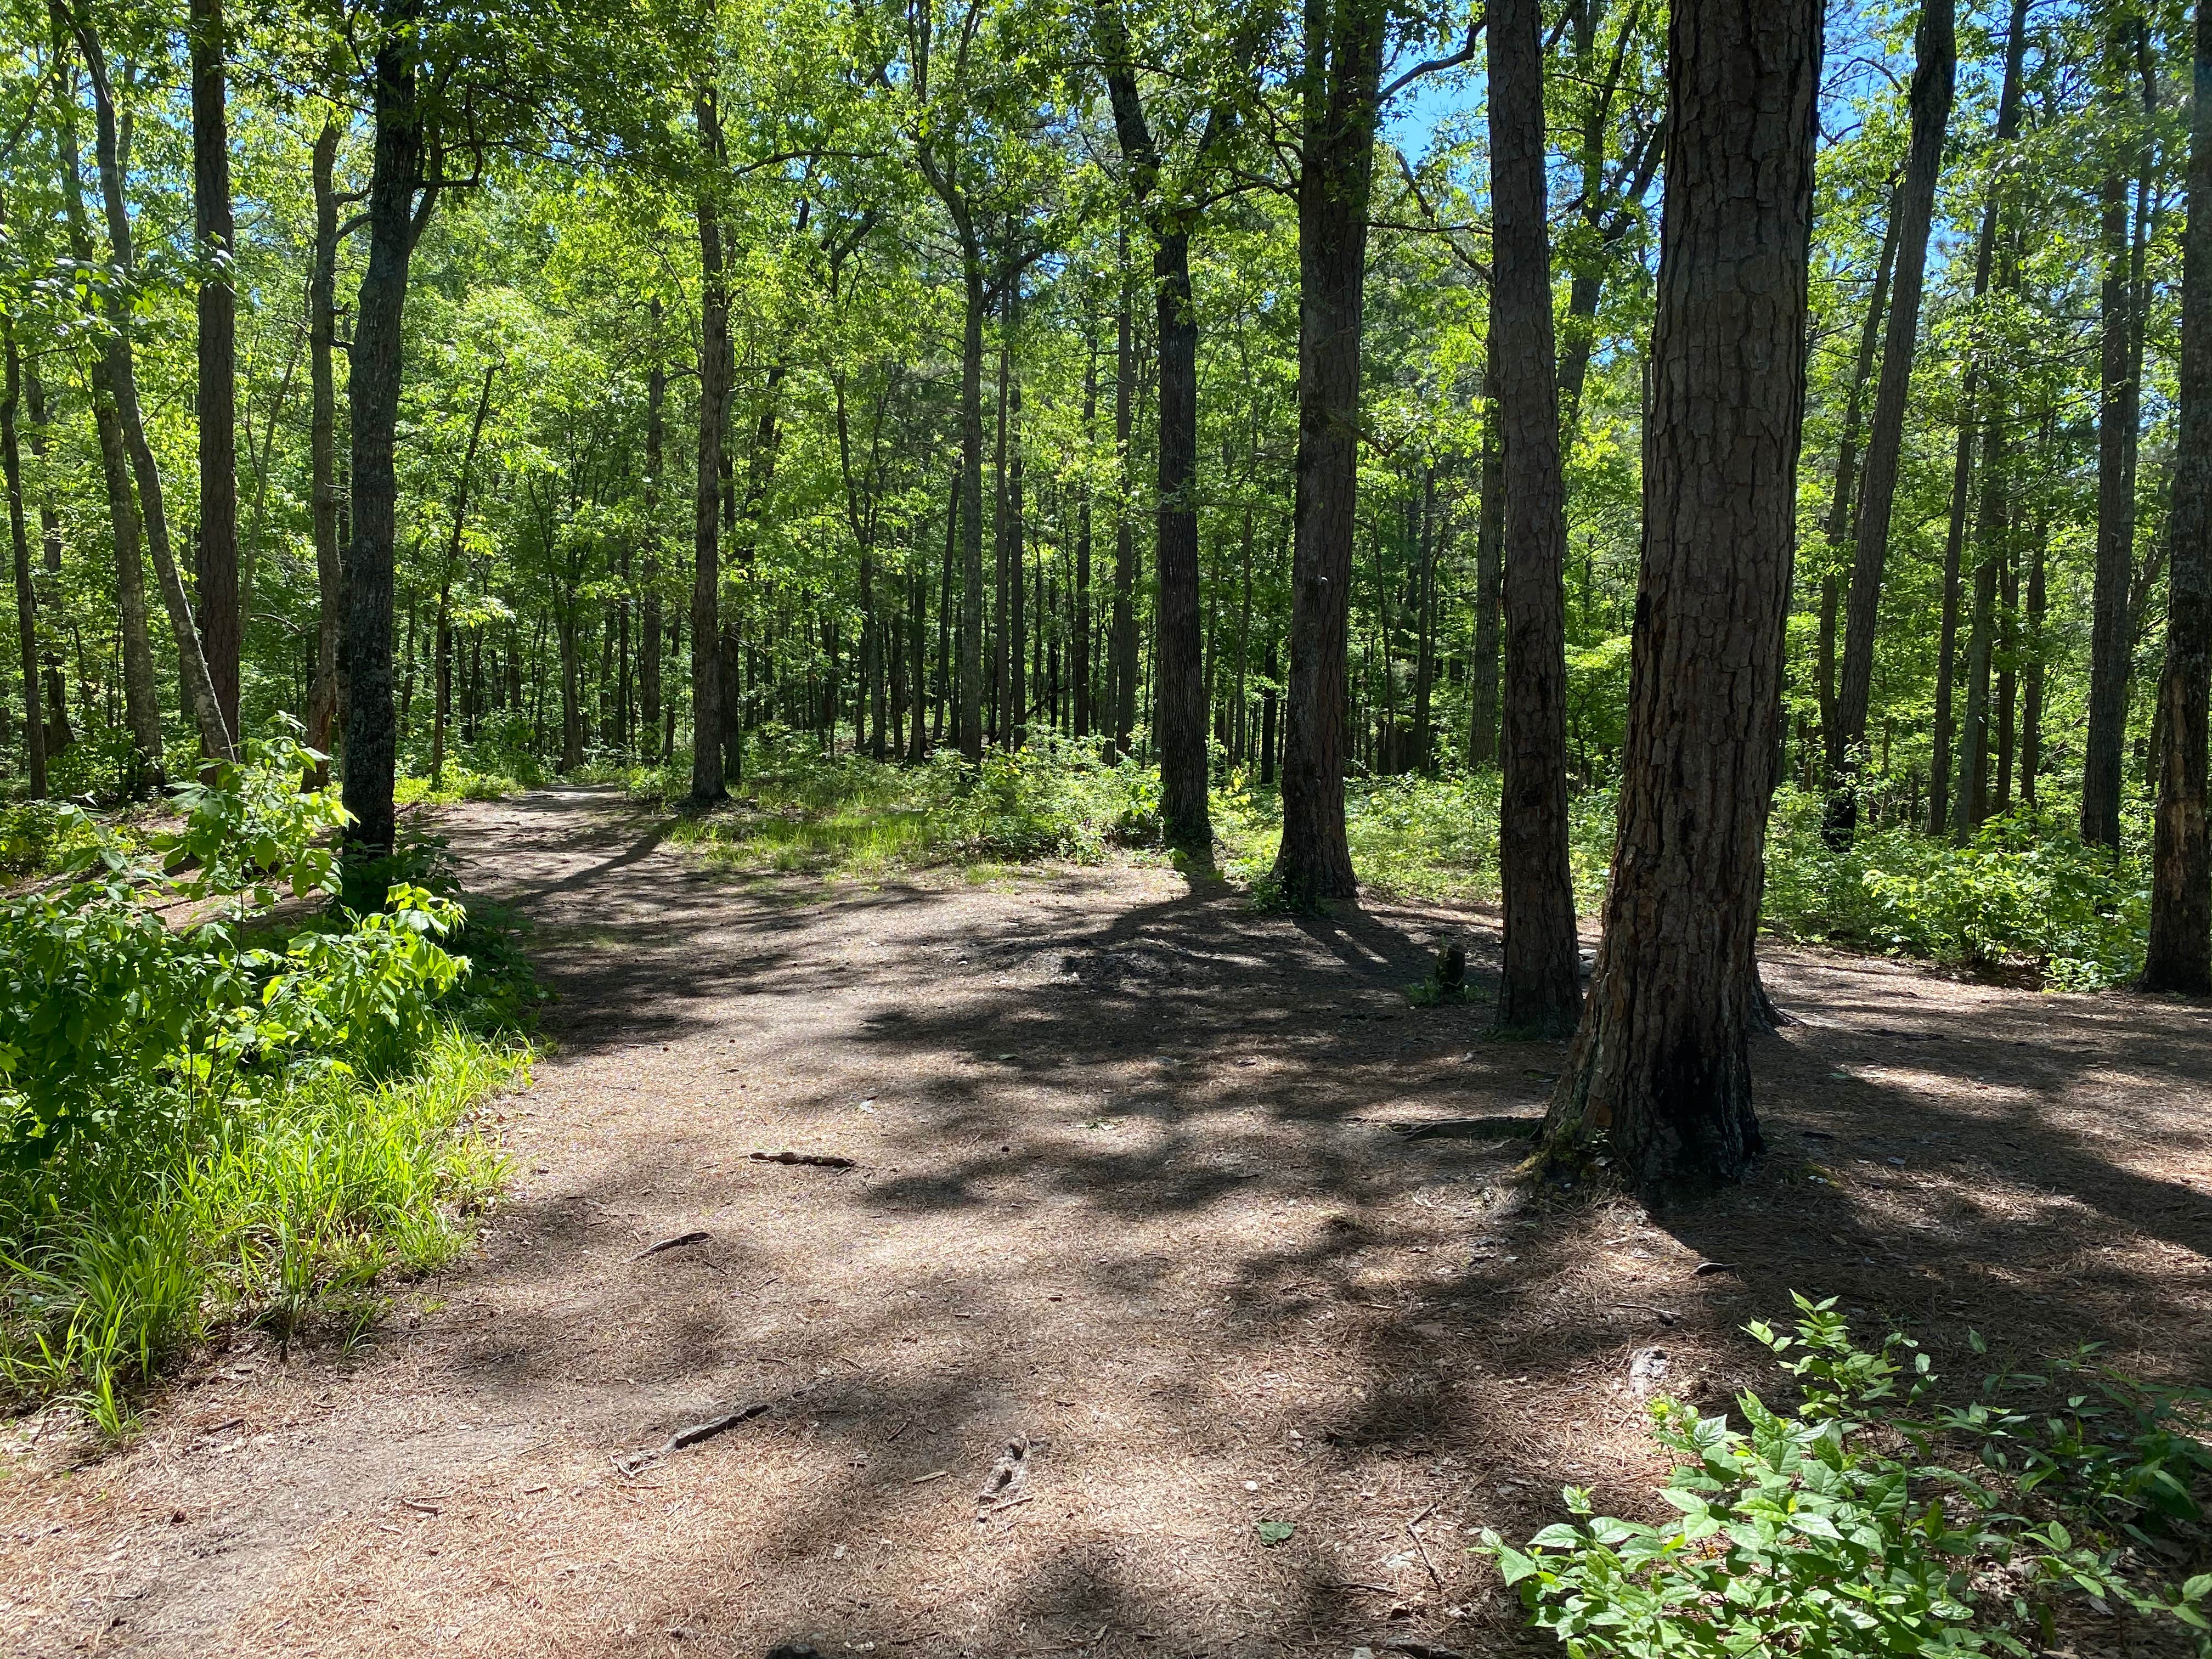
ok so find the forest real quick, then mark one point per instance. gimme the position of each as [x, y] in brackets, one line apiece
[1283, 770]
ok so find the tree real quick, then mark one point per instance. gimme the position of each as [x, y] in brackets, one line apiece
[2180, 949]
[112, 168]
[1935, 59]
[216, 384]
[1660, 1065]
[1171, 202]
[26, 622]
[1540, 990]
[2119, 405]
[1339, 91]
[707, 665]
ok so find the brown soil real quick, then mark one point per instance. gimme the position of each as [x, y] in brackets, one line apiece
[1125, 1189]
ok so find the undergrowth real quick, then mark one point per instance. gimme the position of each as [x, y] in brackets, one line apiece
[220, 1102]
[1872, 1519]
[798, 810]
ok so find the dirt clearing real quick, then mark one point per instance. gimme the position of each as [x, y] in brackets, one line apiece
[1139, 1324]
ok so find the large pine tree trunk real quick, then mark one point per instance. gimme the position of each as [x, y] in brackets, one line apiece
[395, 222]
[707, 664]
[1935, 62]
[1343, 72]
[217, 391]
[2180, 953]
[1660, 1065]
[1540, 990]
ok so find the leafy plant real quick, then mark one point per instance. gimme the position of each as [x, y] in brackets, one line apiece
[1842, 1527]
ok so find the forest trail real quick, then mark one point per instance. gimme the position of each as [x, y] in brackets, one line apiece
[1124, 1188]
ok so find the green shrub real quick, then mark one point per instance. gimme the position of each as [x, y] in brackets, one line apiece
[1846, 1527]
[2024, 890]
[797, 809]
[206, 1114]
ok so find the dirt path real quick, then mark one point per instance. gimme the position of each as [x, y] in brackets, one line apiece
[1126, 1189]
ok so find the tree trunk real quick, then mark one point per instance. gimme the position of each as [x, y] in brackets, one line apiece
[1661, 1067]
[27, 614]
[1847, 451]
[2008, 693]
[1078, 644]
[1121, 654]
[123, 385]
[649, 627]
[971, 507]
[1962, 468]
[58, 735]
[1342, 74]
[1936, 60]
[445, 636]
[1017, 541]
[141, 711]
[217, 391]
[322, 457]
[1489, 545]
[1540, 990]
[2179, 957]
[395, 223]
[707, 664]
[2102, 763]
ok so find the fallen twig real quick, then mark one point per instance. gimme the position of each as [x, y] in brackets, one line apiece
[823, 1160]
[1411, 1533]
[690, 1436]
[1010, 1503]
[426, 1509]
[699, 1237]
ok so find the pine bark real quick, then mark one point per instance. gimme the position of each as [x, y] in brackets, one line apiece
[1540, 989]
[1660, 1065]
[2179, 957]
[1489, 545]
[1342, 78]
[395, 223]
[1936, 63]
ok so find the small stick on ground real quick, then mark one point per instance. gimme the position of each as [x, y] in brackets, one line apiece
[690, 1436]
[1010, 1503]
[681, 1239]
[1411, 1532]
[820, 1160]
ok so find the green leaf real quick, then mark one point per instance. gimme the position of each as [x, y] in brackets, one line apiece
[1274, 1532]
